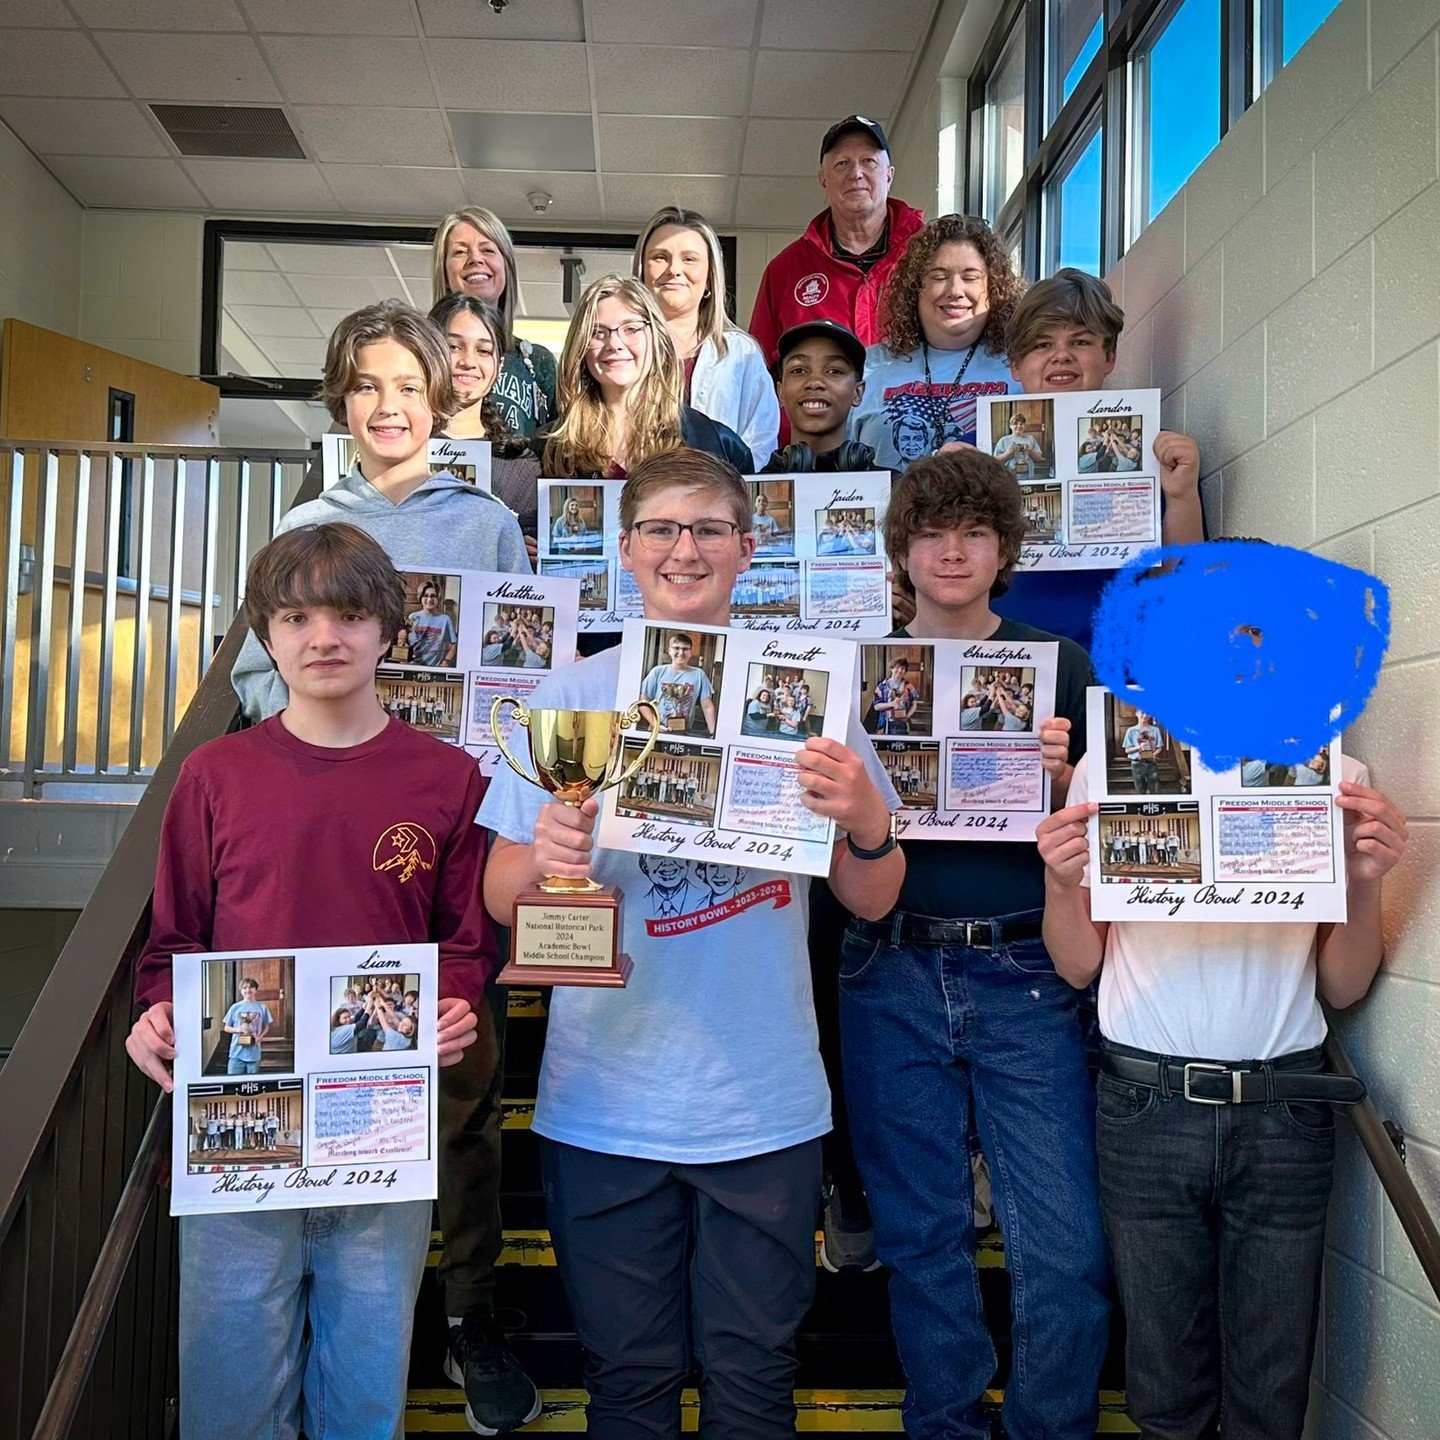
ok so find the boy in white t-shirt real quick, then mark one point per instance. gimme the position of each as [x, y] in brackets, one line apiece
[680, 1118]
[1215, 1210]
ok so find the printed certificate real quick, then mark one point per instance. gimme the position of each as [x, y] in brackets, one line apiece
[471, 636]
[956, 724]
[304, 1078]
[1174, 839]
[467, 460]
[1086, 464]
[721, 783]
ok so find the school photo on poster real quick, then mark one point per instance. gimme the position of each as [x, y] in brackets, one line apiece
[432, 703]
[1150, 840]
[1110, 444]
[430, 635]
[897, 689]
[593, 575]
[520, 637]
[246, 1125]
[914, 771]
[784, 702]
[767, 590]
[677, 782]
[1141, 756]
[680, 675]
[772, 518]
[1316, 770]
[1024, 437]
[247, 1023]
[997, 697]
[373, 1012]
[1044, 512]
[845, 530]
[576, 520]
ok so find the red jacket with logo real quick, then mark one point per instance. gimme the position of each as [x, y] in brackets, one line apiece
[805, 281]
[269, 843]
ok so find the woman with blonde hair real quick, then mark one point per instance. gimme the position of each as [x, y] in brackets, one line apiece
[678, 256]
[474, 255]
[619, 390]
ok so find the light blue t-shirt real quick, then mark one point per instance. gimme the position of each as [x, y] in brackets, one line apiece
[394, 1040]
[431, 637]
[342, 1039]
[710, 1052]
[260, 1019]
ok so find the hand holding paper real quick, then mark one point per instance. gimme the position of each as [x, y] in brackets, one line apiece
[1064, 845]
[1055, 746]
[834, 783]
[456, 1029]
[1375, 832]
[151, 1043]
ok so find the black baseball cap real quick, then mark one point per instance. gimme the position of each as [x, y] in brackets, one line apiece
[842, 335]
[854, 125]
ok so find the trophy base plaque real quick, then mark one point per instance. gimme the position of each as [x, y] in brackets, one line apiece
[568, 938]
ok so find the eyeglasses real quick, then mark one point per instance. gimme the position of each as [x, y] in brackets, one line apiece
[629, 332]
[665, 534]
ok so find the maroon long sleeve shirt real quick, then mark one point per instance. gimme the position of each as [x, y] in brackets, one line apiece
[270, 843]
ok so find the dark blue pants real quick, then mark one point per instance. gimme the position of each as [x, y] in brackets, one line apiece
[931, 1035]
[662, 1261]
[1216, 1219]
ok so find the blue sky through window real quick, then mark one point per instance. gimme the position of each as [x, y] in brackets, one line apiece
[1088, 51]
[1079, 211]
[1183, 83]
[1299, 20]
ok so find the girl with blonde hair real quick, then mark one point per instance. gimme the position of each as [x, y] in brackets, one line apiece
[619, 390]
[473, 254]
[678, 256]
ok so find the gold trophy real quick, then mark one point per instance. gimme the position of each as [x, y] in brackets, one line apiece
[567, 932]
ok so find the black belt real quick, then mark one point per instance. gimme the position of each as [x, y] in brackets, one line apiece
[1245, 1082]
[904, 928]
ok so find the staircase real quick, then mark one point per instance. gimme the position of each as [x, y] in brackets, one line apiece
[849, 1383]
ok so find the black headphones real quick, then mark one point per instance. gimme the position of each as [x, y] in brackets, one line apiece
[799, 458]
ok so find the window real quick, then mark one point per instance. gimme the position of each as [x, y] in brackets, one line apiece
[1299, 20]
[1005, 123]
[1175, 93]
[1072, 206]
[1072, 42]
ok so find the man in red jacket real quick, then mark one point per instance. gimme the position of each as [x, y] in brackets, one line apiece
[838, 267]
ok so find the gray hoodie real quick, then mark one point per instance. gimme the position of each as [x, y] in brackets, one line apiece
[444, 525]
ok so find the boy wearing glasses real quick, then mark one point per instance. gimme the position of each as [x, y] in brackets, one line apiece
[680, 1119]
[678, 687]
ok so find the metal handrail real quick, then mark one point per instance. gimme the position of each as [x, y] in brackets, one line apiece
[1415, 1219]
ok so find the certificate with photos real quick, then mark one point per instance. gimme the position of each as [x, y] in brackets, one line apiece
[819, 563]
[1174, 839]
[467, 460]
[468, 637]
[1085, 462]
[956, 724]
[579, 540]
[305, 1077]
[721, 783]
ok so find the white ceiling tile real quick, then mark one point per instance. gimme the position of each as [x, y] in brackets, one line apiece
[321, 71]
[384, 190]
[98, 127]
[255, 287]
[330, 17]
[165, 15]
[326, 319]
[285, 320]
[296, 352]
[775, 204]
[576, 197]
[271, 186]
[241, 255]
[783, 147]
[661, 145]
[376, 135]
[411, 260]
[126, 184]
[546, 299]
[845, 24]
[794, 82]
[43, 14]
[47, 62]
[635, 198]
[214, 69]
[673, 22]
[663, 80]
[528, 76]
[321, 258]
[527, 20]
[343, 292]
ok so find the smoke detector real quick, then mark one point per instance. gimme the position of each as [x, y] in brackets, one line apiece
[540, 200]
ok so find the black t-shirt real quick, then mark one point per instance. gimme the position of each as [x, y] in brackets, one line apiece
[973, 879]
[867, 259]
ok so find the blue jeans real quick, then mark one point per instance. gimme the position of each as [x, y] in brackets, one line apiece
[248, 1368]
[1216, 1216]
[239, 1065]
[931, 1033]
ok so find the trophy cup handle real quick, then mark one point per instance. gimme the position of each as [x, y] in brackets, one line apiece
[652, 735]
[522, 717]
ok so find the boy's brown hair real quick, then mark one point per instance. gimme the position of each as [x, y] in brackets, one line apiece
[1068, 297]
[695, 469]
[334, 564]
[402, 323]
[943, 492]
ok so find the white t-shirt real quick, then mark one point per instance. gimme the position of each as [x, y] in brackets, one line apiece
[710, 1053]
[1217, 991]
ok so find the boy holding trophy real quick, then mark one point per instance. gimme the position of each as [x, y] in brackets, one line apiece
[680, 1118]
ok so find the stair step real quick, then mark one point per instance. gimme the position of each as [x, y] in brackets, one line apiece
[837, 1413]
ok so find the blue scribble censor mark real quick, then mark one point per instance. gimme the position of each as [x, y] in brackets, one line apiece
[1243, 650]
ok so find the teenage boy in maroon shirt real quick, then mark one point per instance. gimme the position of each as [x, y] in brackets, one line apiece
[328, 824]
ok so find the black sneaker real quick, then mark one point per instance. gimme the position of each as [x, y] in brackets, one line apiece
[499, 1395]
[847, 1234]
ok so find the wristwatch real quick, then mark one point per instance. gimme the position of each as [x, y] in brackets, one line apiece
[881, 851]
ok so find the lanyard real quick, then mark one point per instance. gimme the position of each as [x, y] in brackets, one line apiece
[938, 411]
